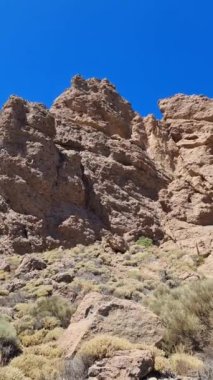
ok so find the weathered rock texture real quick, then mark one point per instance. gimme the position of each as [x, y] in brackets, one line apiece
[188, 200]
[125, 365]
[92, 167]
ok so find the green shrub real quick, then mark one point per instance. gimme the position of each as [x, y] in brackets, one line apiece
[42, 291]
[9, 343]
[144, 242]
[187, 313]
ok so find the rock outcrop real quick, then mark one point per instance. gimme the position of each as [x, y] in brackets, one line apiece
[98, 314]
[91, 167]
[188, 200]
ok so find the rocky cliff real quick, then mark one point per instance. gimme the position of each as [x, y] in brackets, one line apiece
[91, 167]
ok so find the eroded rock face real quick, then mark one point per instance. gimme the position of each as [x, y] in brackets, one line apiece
[188, 200]
[91, 167]
[42, 194]
[122, 182]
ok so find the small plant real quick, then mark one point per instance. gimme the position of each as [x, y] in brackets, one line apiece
[144, 242]
[9, 343]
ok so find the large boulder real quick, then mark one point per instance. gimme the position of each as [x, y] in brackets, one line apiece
[99, 314]
[124, 365]
[29, 264]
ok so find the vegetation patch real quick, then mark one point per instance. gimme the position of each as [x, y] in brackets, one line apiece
[145, 242]
[9, 343]
[187, 313]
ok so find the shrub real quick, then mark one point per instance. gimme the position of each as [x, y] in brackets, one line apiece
[103, 346]
[23, 309]
[43, 291]
[184, 364]
[54, 306]
[136, 274]
[53, 335]
[48, 350]
[144, 242]
[35, 367]
[162, 365]
[4, 292]
[33, 339]
[9, 343]
[187, 313]
[26, 324]
[50, 322]
[10, 373]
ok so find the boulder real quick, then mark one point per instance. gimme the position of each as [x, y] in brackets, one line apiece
[125, 365]
[5, 266]
[99, 314]
[29, 264]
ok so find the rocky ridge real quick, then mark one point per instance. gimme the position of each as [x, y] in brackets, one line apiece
[91, 167]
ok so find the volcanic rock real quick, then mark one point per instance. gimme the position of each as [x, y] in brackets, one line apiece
[98, 314]
[125, 365]
[91, 168]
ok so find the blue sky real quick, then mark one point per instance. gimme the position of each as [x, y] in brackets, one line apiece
[149, 49]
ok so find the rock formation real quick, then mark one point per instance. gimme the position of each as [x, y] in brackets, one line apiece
[91, 167]
[98, 314]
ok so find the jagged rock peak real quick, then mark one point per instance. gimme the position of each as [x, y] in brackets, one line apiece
[92, 84]
[92, 168]
[192, 107]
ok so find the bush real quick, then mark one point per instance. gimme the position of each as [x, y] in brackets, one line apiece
[187, 313]
[35, 367]
[33, 339]
[162, 365]
[144, 242]
[48, 350]
[9, 343]
[53, 335]
[10, 373]
[185, 365]
[103, 346]
[54, 306]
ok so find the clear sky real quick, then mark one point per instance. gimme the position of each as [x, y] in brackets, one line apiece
[149, 49]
